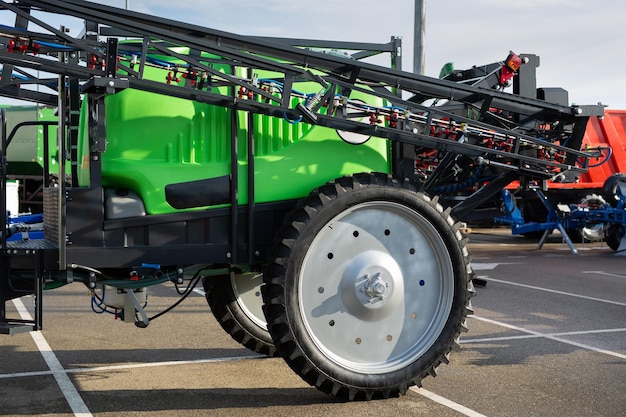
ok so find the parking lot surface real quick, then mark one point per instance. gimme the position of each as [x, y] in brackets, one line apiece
[547, 338]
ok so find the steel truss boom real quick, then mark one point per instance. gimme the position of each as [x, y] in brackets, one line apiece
[493, 127]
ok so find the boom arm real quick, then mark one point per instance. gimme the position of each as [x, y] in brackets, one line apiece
[516, 127]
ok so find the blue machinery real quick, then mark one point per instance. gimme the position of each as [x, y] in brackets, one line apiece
[571, 217]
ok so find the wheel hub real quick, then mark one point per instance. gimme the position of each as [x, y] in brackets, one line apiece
[372, 285]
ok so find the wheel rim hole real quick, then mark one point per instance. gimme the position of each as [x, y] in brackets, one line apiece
[355, 233]
[320, 290]
[422, 282]
[412, 251]
[331, 323]
[387, 232]
[330, 255]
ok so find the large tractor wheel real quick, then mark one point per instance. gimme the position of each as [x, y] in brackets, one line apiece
[609, 189]
[237, 305]
[370, 288]
[614, 233]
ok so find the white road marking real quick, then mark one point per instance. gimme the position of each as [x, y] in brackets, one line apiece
[535, 336]
[483, 266]
[604, 273]
[446, 402]
[75, 401]
[548, 336]
[532, 287]
[133, 366]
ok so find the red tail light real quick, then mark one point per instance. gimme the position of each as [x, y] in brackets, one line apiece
[510, 67]
[513, 61]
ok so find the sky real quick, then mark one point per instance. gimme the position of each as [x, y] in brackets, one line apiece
[580, 43]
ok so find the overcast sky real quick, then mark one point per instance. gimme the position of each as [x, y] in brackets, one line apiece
[580, 43]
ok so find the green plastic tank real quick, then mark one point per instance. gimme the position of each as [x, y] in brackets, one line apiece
[156, 141]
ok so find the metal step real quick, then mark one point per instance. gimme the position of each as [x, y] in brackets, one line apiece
[16, 327]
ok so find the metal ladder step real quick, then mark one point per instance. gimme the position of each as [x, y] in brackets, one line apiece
[17, 327]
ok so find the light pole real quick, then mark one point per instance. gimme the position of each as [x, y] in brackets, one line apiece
[419, 36]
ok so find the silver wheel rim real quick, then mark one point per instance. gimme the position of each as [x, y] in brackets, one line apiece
[593, 232]
[376, 287]
[247, 289]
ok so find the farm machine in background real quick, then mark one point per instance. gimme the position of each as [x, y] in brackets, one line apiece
[255, 165]
[585, 207]
[588, 206]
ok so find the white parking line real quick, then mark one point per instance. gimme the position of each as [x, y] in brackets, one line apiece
[446, 402]
[485, 266]
[551, 337]
[133, 366]
[75, 401]
[608, 274]
[535, 336]
[532, 287]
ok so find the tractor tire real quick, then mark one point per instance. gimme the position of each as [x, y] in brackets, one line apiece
[236, 303]
[370, 287]
[609, 189]
[613, 235]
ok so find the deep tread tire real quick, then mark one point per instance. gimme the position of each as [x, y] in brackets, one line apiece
[609, 189]
[304, 296]
[613, 235]
[238, 309]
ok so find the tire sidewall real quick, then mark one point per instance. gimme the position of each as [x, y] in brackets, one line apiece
[609, 189]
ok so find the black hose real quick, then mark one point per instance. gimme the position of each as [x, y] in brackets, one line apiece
[190, 288]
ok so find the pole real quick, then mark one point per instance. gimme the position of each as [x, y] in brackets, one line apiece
[419, 36]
